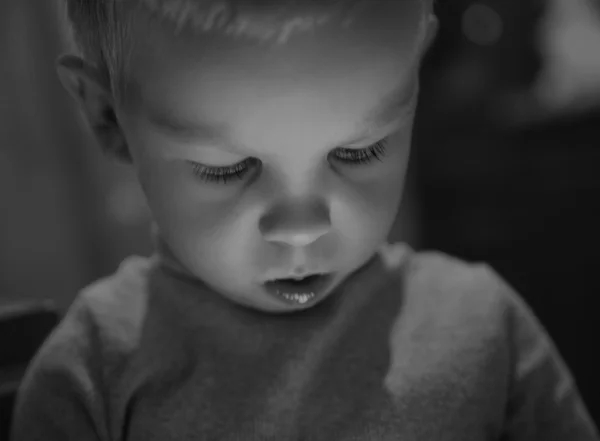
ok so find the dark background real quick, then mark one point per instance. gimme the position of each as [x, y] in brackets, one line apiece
[502, 178]
[506, 164]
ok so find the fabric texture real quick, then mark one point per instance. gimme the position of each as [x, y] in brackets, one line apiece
[411, 347]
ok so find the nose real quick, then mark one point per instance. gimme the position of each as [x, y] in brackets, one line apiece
[294, 223]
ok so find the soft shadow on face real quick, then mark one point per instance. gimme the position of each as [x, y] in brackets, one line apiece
[216, 102]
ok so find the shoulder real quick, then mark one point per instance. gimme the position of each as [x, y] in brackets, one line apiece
[465, 307]
[103, 322]
[451, 338]
[433, 278]
[115, 307]
[65, 382]
[452, 312]
[474, 286]
[471, 291]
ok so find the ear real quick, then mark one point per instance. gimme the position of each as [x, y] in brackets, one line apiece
[433, 26]
[92, 92]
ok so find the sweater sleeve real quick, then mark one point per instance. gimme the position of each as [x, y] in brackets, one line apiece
[544, 403]
[59, 396]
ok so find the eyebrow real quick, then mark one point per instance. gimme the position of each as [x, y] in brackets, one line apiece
[181, 128]
[392, 107]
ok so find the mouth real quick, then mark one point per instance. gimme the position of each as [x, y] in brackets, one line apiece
[299, 290]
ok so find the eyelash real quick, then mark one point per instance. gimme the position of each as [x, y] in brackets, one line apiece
[218, 174]
[225, 174]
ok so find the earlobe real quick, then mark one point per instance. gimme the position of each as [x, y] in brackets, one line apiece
[433, 26]
[92, 93]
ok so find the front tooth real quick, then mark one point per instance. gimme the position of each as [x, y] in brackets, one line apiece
[300, 298]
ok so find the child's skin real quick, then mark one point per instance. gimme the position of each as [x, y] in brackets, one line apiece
[218, 100]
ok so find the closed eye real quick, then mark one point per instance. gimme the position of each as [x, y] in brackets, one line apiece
[362, 156]
[225, 174]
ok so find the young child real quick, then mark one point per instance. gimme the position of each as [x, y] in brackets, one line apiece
[271, 140]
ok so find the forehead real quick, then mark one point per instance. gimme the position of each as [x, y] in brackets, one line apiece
[334, 74]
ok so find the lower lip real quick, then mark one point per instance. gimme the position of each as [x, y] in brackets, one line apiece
[302, 293]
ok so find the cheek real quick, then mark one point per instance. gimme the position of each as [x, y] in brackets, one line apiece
[367, 209]
[181, 205]
[385, 190]
[202, 223]
[373, 206]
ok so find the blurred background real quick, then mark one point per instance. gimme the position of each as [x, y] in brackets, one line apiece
[506, 164]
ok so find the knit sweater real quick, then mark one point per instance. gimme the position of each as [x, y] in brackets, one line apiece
[412, 347]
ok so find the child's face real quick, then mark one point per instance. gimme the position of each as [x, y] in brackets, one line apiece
[298, 205]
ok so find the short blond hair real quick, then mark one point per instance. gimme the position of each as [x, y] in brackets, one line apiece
[100, 28]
